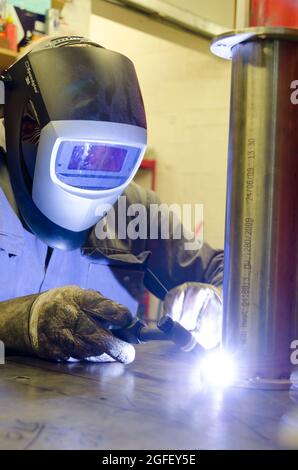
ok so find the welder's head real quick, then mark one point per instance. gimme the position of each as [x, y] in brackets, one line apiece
[75, 135]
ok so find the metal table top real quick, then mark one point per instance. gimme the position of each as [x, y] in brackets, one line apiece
[158, 402]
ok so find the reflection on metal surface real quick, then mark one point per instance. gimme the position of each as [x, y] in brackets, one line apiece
[288, 430]
[294, 387]
[218, 368]
[261, 243]
[90, 406]
[2, 353]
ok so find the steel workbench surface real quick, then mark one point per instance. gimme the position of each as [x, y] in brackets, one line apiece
[157, 402]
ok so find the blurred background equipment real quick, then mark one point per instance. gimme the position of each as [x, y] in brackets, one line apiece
[22, 22]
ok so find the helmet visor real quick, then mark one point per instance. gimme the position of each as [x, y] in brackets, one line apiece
[95, 165]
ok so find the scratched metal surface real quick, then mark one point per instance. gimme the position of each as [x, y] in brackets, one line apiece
[155, 403]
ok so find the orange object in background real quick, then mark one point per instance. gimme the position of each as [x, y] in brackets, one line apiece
[274, 13]
[11, 36]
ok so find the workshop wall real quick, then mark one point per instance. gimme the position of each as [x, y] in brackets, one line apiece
[186, 92]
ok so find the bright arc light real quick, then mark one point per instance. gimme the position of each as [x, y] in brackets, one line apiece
[219, 369]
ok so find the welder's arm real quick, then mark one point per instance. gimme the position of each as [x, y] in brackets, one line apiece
[173, 264]
[189, 281]
[67, 322]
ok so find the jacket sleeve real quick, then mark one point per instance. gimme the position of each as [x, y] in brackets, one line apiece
[171, 264]
[14, 324]
[165, 260]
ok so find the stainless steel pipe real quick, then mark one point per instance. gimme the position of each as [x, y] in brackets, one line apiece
[261, 236]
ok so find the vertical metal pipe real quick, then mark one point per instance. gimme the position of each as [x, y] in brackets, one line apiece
[261, 240]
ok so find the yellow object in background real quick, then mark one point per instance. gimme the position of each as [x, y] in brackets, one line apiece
[58, 4]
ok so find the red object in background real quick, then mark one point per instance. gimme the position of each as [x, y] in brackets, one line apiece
[274, 13]
[150, 165]
[11, 36]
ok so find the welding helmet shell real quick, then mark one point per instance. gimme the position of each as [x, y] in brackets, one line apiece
[75, 135]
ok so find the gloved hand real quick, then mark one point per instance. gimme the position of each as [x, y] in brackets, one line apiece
[198, 308]
[66, 322]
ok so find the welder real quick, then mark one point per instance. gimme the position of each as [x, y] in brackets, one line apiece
[75, 135]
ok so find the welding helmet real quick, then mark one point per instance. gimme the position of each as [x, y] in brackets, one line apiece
[75, 135]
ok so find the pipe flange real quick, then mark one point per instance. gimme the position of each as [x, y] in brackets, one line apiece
[223, 44]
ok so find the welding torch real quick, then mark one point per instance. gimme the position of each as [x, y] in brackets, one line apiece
[167, 330]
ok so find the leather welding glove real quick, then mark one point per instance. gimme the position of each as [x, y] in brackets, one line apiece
[63, 323]
[198, 308]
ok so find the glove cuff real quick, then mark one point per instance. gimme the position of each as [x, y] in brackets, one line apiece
[15, 324]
